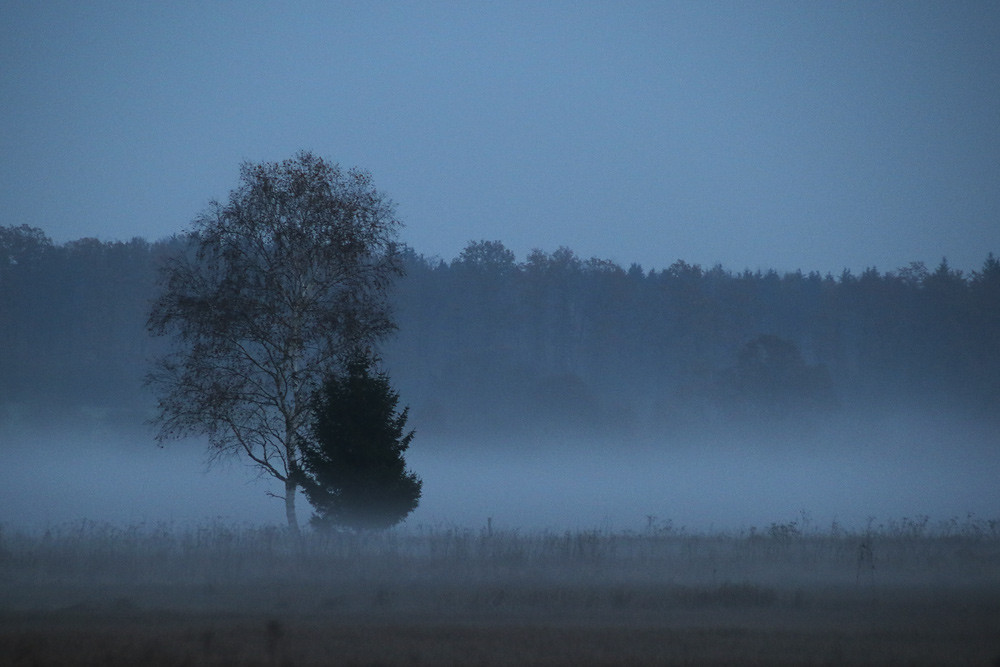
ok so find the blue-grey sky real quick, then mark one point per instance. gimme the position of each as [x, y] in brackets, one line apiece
[756, 134]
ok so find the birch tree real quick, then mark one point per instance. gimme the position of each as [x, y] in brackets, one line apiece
[277, 285]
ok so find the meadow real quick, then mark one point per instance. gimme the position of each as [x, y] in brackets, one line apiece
[906, 592]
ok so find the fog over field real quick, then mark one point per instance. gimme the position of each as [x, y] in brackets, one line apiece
[884, 468]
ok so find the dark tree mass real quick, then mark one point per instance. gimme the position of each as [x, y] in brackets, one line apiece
[770, 379]
[353, 470]
[486, 342]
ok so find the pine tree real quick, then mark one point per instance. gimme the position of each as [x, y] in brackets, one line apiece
[353, 471]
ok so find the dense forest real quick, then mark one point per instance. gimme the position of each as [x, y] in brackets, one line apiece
[555, 341]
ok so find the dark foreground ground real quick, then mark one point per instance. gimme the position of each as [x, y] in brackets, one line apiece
[896, 595]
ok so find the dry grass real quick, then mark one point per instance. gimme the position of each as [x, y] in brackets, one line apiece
[901, 594]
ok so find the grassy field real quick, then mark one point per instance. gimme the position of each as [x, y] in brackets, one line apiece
[905, 593]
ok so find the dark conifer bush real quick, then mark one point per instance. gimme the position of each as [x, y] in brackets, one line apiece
[354, 473]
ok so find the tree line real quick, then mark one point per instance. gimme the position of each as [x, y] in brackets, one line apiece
[486, 341]
[560, 337]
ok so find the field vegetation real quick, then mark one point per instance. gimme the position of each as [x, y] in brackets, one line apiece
[906, 592]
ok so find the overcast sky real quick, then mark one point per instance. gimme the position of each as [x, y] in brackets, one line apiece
[759, 135]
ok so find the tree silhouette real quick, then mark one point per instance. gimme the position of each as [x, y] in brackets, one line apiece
[278, 286]
[353, 470]
[772, 380]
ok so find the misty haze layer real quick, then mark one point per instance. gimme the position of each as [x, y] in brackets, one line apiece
[905, 466]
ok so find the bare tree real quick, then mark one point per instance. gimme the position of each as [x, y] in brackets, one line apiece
[275, 289]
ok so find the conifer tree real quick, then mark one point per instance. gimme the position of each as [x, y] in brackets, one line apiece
[353, 470]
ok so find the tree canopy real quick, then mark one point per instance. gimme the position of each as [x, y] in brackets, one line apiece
[276, 287]
[478, 345]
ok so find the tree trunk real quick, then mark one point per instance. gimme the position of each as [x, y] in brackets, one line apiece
[291, 476]
[290, 490]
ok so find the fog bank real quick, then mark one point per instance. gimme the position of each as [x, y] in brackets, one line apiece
[727, 479]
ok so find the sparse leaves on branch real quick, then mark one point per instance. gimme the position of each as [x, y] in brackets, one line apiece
[277, 285]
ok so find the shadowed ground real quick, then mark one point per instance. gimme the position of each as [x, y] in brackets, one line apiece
[98, 595]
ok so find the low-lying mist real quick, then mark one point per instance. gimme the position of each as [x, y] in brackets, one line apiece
[852, 471]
